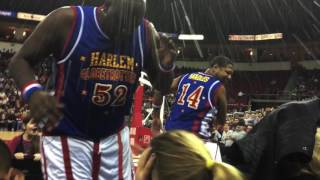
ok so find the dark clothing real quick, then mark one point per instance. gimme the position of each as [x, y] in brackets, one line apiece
[285, 135]
[17, 144]
[31, 168]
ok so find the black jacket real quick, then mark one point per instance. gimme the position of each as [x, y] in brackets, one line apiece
[287, 132]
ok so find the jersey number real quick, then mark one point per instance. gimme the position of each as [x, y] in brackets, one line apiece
[102, 95]
[193, 99]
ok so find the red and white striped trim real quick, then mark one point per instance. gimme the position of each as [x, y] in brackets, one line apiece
[32, 84]
[209, 92]
[44, 162]
[96, 161]
[78, 38]
[29, 85]
[66, 158]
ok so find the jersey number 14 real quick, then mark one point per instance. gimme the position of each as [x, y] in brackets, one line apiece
[193, 99]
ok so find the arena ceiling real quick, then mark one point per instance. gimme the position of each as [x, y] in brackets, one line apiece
[213, 18]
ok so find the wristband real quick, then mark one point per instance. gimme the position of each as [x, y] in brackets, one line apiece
[167, 68]
[29, 88]
[156, 107]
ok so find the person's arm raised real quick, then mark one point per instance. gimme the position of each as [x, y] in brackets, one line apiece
[160, 67]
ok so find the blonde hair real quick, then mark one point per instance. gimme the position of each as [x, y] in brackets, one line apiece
[315, 163]
[181, 155]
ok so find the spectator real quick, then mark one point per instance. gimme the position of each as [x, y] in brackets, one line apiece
[226, 139]
[6, 172]
[181, 155]
[26, 145]
[25, 149]
[239, 132]
[285, 136]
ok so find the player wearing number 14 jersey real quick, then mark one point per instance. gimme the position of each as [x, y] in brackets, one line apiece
[200, 99]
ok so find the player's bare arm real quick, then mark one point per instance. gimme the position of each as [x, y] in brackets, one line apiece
[222, 105]
[157, 101]
[48, 38]
[175, 85]
[162, 63]
[156, 126]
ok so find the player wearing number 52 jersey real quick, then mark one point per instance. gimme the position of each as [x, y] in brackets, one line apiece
[100, 52]
[200, 99]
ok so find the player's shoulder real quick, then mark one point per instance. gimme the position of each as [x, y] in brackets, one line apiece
[63, 15]
[149, 26]
[147, 22]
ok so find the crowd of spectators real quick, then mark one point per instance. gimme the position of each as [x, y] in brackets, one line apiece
[12, 107]
[238, 124]
[307, 83]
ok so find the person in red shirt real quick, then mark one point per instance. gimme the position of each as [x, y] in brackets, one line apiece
[26, 145]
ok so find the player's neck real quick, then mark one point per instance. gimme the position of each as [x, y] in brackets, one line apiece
[209, 71]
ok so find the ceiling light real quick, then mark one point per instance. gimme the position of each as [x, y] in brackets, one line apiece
[191, 37]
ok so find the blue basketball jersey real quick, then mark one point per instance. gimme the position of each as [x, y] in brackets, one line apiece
[195, 107]
[96, 79]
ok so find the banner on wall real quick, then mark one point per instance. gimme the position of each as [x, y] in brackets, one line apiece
[259, 37]
[8, 13]
[22, 15]
[29, 16]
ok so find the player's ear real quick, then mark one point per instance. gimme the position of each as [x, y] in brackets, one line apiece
[214, 68]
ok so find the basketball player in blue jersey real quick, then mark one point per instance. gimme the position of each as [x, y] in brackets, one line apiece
[100, 52]
[201, 99]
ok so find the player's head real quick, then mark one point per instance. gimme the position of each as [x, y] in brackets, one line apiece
[221, 66]
[5, 159]
[182, 155]
[124, 16]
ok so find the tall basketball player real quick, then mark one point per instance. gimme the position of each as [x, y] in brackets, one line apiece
[201, 99]
[100, 52]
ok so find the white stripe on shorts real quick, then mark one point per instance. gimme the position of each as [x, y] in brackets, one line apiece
[214, 151]
[81, 156]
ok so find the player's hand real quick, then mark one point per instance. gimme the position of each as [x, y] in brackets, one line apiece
[19, 156]
[45, 110]
[37, 157]
[145, 165]
[156, 132]
[167, 51]
[156, 127]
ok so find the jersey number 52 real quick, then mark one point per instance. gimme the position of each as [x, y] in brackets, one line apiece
[105, 94]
